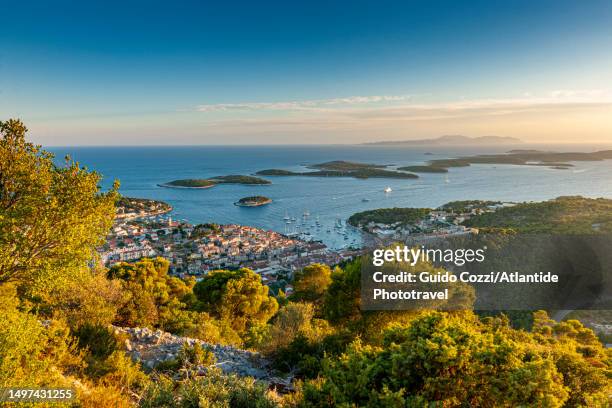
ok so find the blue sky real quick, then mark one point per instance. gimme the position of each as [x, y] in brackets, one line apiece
[139, 72]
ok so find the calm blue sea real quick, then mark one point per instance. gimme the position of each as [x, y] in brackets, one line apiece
[140, 169]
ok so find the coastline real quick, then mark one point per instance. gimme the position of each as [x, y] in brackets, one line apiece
[146, 215]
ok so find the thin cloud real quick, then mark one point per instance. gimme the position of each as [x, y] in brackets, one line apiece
[300, 105]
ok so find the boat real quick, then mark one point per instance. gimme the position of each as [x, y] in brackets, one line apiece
[387, 189]
[286, 217]
[306, 213]
[365, 200]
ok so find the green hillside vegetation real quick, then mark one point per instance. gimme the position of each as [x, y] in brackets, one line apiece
[403, 216]
[575, 215]
[57, 307]
[463, 206]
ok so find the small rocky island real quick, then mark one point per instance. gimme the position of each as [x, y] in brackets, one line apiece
[213, 181]
[253, 201]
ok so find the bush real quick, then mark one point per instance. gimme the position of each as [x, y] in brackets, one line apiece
[214, 390]
[98, 340]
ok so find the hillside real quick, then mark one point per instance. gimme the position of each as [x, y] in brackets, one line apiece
[576, 215]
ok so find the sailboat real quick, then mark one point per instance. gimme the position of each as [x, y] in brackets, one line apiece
[387, 189]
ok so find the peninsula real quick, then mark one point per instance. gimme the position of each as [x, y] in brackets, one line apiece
[253, 201]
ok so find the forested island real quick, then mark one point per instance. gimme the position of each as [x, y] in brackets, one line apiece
[253, 201]
[424, 169]
[189, 183]
[340, 168]
[213, 181]
[239, 179]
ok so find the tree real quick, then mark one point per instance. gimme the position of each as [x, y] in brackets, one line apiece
[311, 283]
[154, 297]
[237, 297]
[51, 217]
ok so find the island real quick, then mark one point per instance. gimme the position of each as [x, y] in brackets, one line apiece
[424, 169]
[553, 160]
[239, 179]
[253, 201]
[189, 183]
[342, 165]
[213, 181]
[341, 168]
[452, 140]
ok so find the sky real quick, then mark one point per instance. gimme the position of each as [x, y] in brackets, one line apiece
[151, 72]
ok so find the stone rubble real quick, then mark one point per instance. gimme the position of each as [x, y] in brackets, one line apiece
[152, 347]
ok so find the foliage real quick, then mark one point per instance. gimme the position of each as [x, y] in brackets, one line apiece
[237, 297]
[403, 216]
[292, 321]
[98, 340]
[464, 206]
[563, 215]
[51, 217]
[445, 360]
[89, 298]
[29, 350]
[341, 302]
[154, 297]
[214, 390]
[311, 283]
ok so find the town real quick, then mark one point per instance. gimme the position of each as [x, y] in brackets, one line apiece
[417, 225]
[196, 250]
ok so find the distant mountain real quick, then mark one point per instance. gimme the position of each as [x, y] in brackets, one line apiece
[453, 140]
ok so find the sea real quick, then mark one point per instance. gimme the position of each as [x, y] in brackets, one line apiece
[320, 204]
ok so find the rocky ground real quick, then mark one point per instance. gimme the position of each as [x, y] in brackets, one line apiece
[151, 347]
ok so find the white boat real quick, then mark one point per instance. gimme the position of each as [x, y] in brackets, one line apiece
[286, 217]
[387, 189]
